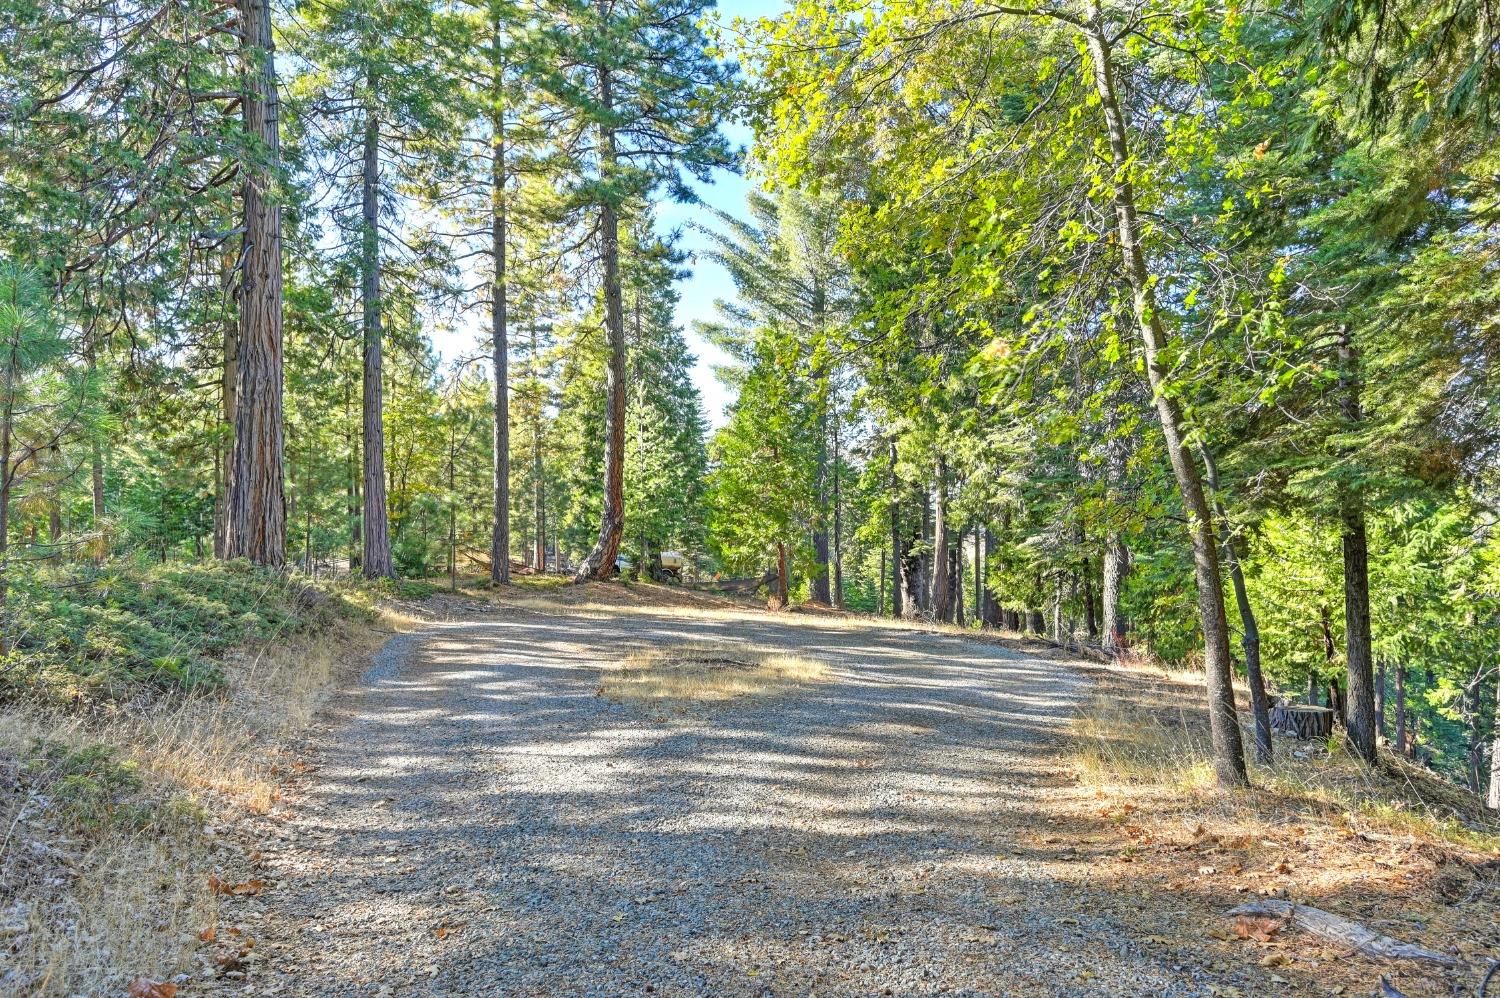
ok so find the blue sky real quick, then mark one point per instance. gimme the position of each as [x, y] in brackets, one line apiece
[709, 281]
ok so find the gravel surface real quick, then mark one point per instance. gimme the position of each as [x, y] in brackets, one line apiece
[482, 822]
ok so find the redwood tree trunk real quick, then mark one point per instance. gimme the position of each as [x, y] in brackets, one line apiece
[377, 534]
[1228, 751]
[500, 523]
[256, 513]
[600, 563]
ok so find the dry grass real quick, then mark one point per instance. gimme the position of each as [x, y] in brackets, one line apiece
[699, 673]
[1123, 745]
[115, 885]
[1394, 847]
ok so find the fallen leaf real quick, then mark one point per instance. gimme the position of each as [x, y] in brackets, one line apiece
[1260, 928]
[208, 934]
[249, 888]
[145, 987]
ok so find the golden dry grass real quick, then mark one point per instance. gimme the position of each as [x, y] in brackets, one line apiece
[1122, 745]
[129, 894]
[699, 673]
[1317, 827]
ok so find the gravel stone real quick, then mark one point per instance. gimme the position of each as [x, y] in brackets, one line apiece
[482, 822]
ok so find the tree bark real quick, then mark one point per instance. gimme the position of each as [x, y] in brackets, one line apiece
[994, 614]
[356, 533]
[838, 522]
[600, 563]
[981, 614]
[7, 479]
[941, 610]
[1090, 622]
[1228, 751]
[228, 389]
[1380, 698]
[898, 604]
[1493, 797]
[783, 582]
[1359, 726]
[920, 594]
[377, 534]
[499, 339]
[820, 590]
[256, 514]
[538, 484]
[1250, 632]
[956, 581]
[1403, 739]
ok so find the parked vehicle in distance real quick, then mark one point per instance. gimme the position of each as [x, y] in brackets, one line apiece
[672, 563]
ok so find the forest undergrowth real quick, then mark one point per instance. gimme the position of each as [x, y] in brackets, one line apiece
[1394, 848]
[147, 709]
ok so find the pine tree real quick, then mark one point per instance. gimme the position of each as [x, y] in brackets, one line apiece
[644, 95]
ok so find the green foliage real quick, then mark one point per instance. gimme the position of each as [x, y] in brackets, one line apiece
[124, 628]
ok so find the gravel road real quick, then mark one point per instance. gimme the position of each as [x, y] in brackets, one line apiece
[482, 822]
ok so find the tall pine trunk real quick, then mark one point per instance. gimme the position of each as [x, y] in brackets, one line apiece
[538, 485]
[229, 376]
[1116, 565]
[838, 522]
[1359, 720]
[1493, 797]
[500, 522]
[256, 513]
[898, 606]
[994, 614]
[941, 610]
[1249, 630]
[981, 612]
[377, 534]
[7, 478]
[819, 589]
[1228, 751]
[1403, 736]
[600, 563]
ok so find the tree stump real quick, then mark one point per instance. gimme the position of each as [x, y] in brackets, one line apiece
[1302, 720]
